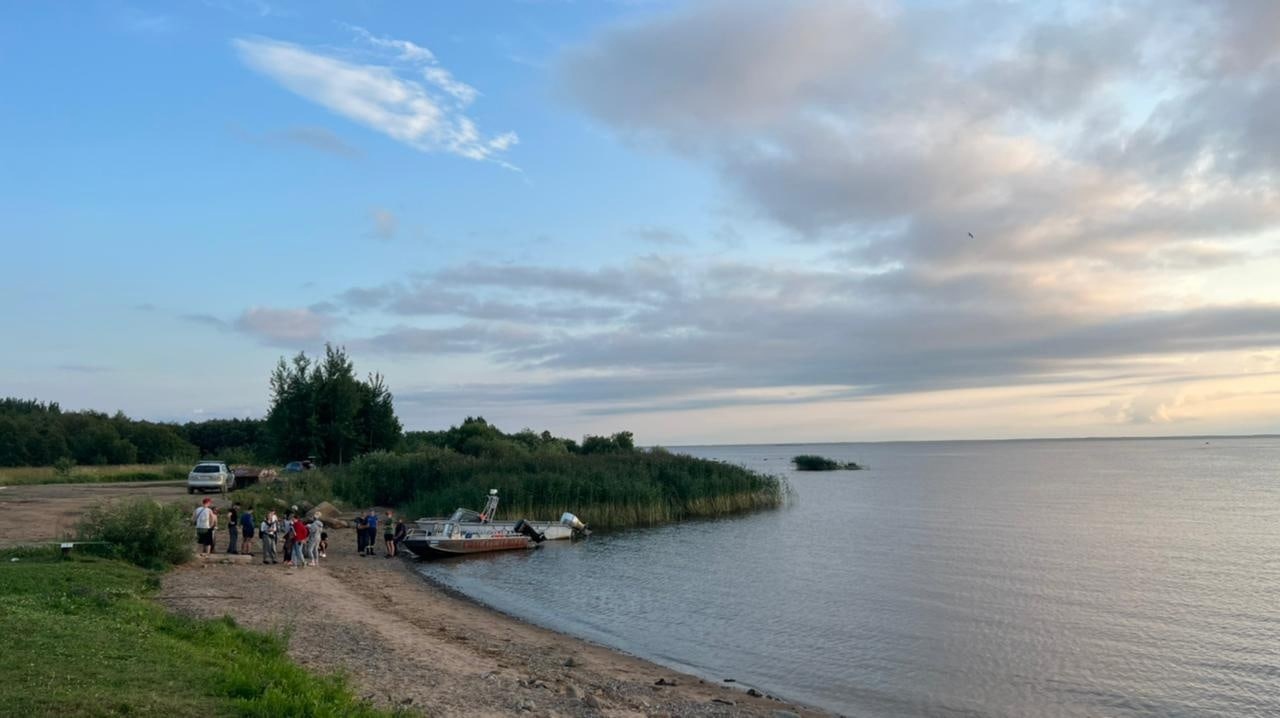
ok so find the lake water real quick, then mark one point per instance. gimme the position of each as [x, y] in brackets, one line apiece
[1025, 578]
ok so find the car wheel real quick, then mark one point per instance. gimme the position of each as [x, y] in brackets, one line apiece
[190, 490]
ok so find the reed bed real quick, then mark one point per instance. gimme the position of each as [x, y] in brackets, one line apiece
[609, 491]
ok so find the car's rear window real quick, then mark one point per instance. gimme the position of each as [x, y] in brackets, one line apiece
[206, 469]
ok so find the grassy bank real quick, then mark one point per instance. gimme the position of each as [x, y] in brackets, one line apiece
[82, 638]
[21, 475]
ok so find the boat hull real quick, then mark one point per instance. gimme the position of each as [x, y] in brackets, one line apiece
[441, 547]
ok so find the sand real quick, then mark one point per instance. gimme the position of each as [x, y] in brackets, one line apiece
[399, 639]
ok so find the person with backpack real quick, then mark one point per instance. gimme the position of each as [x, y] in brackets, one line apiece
[300, 535]
[267, 534]
[247, 524]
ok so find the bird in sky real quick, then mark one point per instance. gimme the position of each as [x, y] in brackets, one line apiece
[971, 236]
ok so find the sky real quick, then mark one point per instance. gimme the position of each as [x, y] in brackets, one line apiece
[703, 222]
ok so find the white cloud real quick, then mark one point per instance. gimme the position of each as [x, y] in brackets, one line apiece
[285, 327]
[380, 97]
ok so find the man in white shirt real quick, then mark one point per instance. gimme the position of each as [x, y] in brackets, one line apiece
[204, 519]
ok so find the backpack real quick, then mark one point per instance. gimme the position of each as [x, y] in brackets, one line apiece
[300, 531]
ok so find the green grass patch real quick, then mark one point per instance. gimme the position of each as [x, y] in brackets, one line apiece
[25, 475]
[83, 638]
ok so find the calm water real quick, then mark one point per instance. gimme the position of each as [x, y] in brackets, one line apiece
[1036, 578]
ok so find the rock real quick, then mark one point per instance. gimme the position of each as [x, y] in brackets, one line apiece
[570, 662]
[334, 523]
[754, 693]
[731, 680]
[666, 682]
[724, 701]
[785, 714]
[528, 706]
[540, 684]
[573, 691]
[324, 508]
[281, 503]
[592, 702]
[306, 507]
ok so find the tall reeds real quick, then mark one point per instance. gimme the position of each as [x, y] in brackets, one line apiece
[636, 488]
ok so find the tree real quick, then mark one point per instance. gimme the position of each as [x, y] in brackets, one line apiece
[320, 409]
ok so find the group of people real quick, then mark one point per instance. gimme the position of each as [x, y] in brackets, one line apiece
[305, 540]
[367, 534]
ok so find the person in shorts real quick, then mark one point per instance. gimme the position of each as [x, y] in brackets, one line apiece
[204, 520]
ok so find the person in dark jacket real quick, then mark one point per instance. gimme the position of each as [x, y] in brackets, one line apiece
[233, 529]
[247, 525]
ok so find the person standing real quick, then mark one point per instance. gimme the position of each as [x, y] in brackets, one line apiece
[313, 539]
[213, 528]
[389, 535]
[203, 520]
[289, 538]
[360, 535]
[398, 537]
[247, 525]
[233, 528]
[300, 535]
[267, 534]
[370, 531]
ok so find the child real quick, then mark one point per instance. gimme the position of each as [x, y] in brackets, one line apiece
[324, 544]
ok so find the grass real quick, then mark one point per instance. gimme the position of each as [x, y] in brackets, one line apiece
[23, 475]
[83, 638]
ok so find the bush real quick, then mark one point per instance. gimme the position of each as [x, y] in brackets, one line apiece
[140, 531]
[63, 466]
[810, 462]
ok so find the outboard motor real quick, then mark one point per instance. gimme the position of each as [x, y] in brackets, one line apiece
[579, 529]
[524, 527]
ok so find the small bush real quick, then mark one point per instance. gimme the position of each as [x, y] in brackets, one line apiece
[63, 466]
[810, 462]
[140, 531]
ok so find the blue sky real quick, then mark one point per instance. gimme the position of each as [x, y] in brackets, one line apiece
[715, 221]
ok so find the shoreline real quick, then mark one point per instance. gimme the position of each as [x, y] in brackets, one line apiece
[406, 641]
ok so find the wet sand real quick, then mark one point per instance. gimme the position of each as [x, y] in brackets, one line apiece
[400, 640]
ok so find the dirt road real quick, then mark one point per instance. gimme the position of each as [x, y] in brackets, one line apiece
[49, 512]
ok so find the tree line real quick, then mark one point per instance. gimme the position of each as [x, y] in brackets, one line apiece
[319, 410]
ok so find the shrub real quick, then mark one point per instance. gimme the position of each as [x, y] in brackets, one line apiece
[810, 462]
[63, 466]
[141, 531]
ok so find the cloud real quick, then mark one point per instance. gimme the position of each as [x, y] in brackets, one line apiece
[666, 334]
[893, 130]
[313, 138]
[428, 117]
[385, 223]
[290, 328]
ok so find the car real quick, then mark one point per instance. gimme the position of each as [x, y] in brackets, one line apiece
[211, 476]
[295, 466]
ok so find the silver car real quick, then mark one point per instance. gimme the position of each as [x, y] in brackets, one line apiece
[211, 476]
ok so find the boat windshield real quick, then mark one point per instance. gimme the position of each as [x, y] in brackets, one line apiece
[465, 515]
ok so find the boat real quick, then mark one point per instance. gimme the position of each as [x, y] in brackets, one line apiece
[467, 532]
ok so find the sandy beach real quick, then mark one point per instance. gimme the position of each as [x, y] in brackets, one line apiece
[402, 641]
